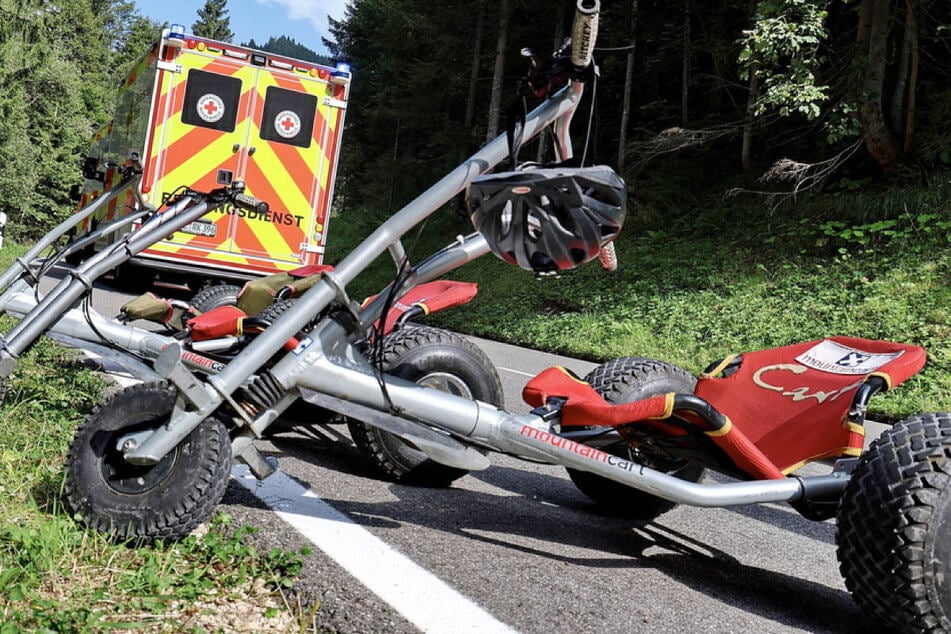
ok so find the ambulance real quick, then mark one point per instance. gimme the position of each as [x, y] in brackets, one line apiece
[202, 114]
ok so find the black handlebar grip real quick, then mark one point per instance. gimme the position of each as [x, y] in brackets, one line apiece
[251, 203]
[584, 32]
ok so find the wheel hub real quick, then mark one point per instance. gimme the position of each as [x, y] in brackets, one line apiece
[129, 479]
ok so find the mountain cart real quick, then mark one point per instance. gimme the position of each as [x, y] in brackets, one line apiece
[636, 434]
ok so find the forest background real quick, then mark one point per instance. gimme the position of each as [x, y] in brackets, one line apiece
[788, 161]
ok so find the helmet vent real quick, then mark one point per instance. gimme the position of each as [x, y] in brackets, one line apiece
[506, 217]
[534, 225]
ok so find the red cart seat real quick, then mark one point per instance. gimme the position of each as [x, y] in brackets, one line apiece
[782, 407]
[793, 402]
[429, 298]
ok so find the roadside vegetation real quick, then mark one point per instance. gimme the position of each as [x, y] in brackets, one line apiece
[692, 287]
[58, 577]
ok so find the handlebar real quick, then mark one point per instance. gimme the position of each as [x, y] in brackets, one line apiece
[234, 194]
[584, 32]
[250, 203]
[572, 59]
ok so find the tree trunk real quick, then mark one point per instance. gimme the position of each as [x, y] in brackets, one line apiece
[396, 156]
[879, 139]
[913, 79]
[474, 72]
[628, 88]
[897, 107]
[685, 74]
[752, 96]
[498, 74]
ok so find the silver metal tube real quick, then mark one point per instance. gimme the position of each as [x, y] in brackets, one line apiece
[71, 288]
[521, 435]
[106, 229]
[526, 435]
[73, 323]
[360, 385]
[11, 295]
[64, 227]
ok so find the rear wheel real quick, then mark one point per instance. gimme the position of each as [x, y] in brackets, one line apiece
[627, 380]
[893, 527]
[162, 501]
[215, 296]
[443, 361]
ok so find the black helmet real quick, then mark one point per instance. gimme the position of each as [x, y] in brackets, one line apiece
[548, 219]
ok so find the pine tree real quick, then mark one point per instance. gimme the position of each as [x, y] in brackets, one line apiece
[213, 21]
[289, 47]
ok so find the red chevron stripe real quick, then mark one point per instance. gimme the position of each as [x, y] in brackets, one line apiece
[292, 235]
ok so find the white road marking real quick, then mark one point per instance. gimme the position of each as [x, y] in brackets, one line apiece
[516, 371]
[422, 598]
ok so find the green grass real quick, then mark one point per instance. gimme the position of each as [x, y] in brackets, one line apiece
[58, 577]
[733, 279]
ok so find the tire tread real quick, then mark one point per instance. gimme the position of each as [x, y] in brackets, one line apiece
[885, 517]
[170, 521]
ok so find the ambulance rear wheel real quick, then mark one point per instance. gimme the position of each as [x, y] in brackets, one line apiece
[438, 359]
[627, 380]
[215, 296]
[132, 278]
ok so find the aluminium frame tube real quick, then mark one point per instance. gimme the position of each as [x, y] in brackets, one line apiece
[71, 288]
[528, 436]
[74, 324]
[22, 263]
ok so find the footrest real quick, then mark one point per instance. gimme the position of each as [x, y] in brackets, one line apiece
[260, 465]
[583, 405]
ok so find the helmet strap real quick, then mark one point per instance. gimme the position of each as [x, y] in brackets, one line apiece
[515, 128]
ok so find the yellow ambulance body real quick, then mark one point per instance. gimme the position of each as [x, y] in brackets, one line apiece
[201, 114]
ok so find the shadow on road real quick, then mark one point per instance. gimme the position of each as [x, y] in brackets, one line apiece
[536, 510]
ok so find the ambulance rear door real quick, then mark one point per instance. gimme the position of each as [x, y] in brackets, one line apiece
[291, 155]
[203, 120]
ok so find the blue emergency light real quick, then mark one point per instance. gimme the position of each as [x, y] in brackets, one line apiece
[176, 32]
[341, 75]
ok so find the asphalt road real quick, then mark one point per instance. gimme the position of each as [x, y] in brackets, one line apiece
[532, 553]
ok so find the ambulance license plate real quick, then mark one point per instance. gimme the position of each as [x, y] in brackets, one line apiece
[199, 228]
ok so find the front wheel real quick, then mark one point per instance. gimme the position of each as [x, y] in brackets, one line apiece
[438, 359]
[162, 501]
[893, 527]
[627, 380]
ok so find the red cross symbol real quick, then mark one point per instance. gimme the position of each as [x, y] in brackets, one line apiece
[210, 107]
[287, 123]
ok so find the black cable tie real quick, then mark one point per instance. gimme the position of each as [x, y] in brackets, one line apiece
[85, 281]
